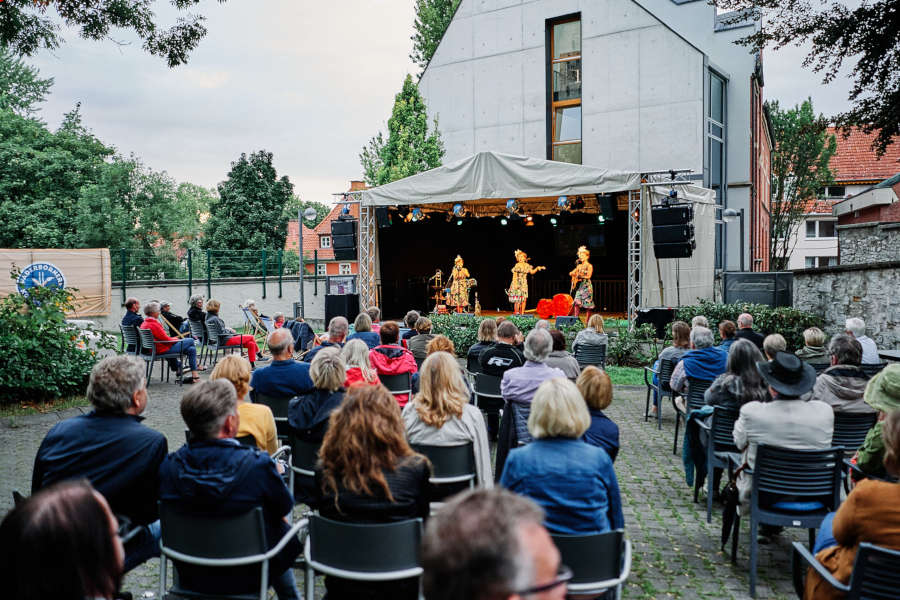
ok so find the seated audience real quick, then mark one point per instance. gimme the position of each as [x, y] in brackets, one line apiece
[883, 394]
[284, 377]
[490, 545]
[487, 337]
[574, 482]
[596, 388]
[132, 317]
[727, 329]
[308, 413]
[592, 335]
[741, 382]
[440, 414]
[813, 350]
[786, 421]
[61, 543]
[842, 385]
[367, 473]
[278, 320]
[441, 343]
[542, 324]
[174, 323]
[871, 513]
[375, 314]
[255, 419]
[681, 343]
[195, 309]
[362, 326]
[213, 475]
[773, 344]
[110, 447]
[560, 358]
[410, 321]
[699, 321]
[392, 359]
[857, 328]
[423, 336]
[702, 361]
[164, 343]
[337, 332]
[495, 361]
[745, 330]
[359, 369]
[247, 342]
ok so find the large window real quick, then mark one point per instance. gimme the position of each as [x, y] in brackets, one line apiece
[565, 89]
[820, 229]
[325, 241]
[715, 141]
[820, 261]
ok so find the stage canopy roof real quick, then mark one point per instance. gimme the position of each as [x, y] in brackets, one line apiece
[493, 175]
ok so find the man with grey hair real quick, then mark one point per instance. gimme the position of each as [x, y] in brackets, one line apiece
[703, 361]
[375, 314]
[857, 328]
[699, 321]
[843, 383]
[542, 324]
[113, 450]
[337, 333]
[745, 330]
[215, 476]
[491, 545]
[285, 377]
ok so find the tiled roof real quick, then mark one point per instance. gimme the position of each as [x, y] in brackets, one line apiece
[818, 207]
[311, 236]
[855, 160]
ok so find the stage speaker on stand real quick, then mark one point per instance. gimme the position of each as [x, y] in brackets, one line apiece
[673, 230]
[346, 305]
[658, 317]
[343, 239]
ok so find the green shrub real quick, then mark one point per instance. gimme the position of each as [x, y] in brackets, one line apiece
[462, 329]
[631, 348]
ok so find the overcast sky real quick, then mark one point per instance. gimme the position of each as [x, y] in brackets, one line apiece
[310, 81]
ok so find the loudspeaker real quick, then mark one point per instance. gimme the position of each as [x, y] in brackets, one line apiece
[683, 250]
[673, 230]
[658, 317]
[343, 227]
[341, 306]
[345, 254]
[339, 242]
[382, 217]
[607, 207]
[673, 234]
[343, 239]
[678, 214]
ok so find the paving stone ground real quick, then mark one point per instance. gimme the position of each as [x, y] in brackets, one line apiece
[676, 553]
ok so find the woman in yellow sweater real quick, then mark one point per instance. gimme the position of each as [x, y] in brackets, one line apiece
[255, 419]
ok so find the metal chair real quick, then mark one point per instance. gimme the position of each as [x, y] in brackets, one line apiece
[451, 465]
[304, 456]
[720, 450]
[130, 339]
[150, 356]
[872, 369]
[362, 551]
[850, 429]
[663, 375]
[695, 399]
[198, 332]
[599, 561]
[487, 386]
[216, 339]
[875, 575]
[217, 543]
[797, 488]
[590, 354]
[279, 408]
[397, 384]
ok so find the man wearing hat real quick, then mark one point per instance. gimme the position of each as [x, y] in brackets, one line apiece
[883, 394]
[174, 323]
[787, 421]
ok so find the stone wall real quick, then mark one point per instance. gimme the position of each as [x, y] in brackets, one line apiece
[866, 243]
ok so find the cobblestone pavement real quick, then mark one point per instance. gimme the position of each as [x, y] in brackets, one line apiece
[676, 554]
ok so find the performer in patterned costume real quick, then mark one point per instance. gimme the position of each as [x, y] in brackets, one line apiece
[459, 285]
[583, 291]
[518, 289]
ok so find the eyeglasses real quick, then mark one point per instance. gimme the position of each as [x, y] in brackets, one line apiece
[563, 576]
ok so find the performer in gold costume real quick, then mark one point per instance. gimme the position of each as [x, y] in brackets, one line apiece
[518, 289]
[582, 290]
[459, 285]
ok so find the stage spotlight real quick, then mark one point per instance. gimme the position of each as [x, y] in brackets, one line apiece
[553, 221]
[416, 215]
[529, 221]
[458, 210]
[562, 203]
[459, 222]
[346, 210]
[503, 221]
[512, 205]
[601, 219]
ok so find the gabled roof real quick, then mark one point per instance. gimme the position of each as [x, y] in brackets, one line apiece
[855, 161]
[311, 236]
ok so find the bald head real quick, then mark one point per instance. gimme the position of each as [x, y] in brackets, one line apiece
[281, 343]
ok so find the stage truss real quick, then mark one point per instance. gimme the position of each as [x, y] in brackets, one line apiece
[634, 252]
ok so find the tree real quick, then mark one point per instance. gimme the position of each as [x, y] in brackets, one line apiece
[868, 33]
[26, 27]
[21, 88]
[249, 212]
[409, 148]
[800, 169]
[432, 19]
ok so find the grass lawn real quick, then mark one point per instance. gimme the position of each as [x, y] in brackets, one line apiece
[626, 375]
[33, 408]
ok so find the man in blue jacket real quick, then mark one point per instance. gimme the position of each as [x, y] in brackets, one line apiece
[702, 361]
[284, 377]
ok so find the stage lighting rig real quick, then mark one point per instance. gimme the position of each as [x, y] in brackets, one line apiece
[416, 215]
[512, 206]
[562, 203]
[459, 210]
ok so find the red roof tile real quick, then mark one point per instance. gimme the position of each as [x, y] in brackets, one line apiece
[855, 161]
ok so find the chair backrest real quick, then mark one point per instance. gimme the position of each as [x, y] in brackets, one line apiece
[850, 429]
[216, 333]
[564, 322]
[876, 573]
[279, 406]
[198, 330]
[304, 454]
[592, 557]
[148, 345]
[872, 369]
[696, 390]
[397, 384]
[488, 385]
[591, 354]
[130, 336]
[202, 536]
[666, 366]
[811, 475]
[450, 464]
[364, 547]
[247, 440]
[722, 429]
[819, 367]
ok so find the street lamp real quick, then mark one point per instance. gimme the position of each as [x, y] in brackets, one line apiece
[729, 215]
[309, 214]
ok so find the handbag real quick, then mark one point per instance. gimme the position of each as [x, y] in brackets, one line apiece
[730, 500]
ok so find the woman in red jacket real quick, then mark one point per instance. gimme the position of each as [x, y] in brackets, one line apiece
[359, 369]
[164, 343]
[392, 359]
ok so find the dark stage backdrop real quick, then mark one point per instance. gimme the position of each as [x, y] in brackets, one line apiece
[411, 252]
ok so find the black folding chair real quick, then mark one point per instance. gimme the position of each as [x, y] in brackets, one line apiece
[150, 355]
[875, 575]
[397, 384]
[600, 562]
[451, 467]
[872, 369]
[198, 332]
[663, 375]
[130, 339]
[850, 430]
[279, 407]
[590, 354]
[304, 456]
[695, 399]
[819, 367]
[216, 339]
[487, 387]
[720, 451]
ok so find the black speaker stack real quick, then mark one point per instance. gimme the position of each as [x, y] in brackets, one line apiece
[341, 306]
[673, 230]
[344, 239]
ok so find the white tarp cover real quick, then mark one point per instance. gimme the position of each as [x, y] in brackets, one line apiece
[684, 279]
[496, 175]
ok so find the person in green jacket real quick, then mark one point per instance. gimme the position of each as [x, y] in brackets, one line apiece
[883, 394]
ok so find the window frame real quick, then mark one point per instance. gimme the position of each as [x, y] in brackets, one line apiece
[342, 266]
[554, 105]
[321, 269]
[817, 229]
[710, 137]
[324, 241]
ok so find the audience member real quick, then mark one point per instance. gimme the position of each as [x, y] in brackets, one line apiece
[487, 337]
[132, 318]
[247, 342]
[542, 324]
[392, 359]
[842, 385]
[572, 481]
[727, 330]
[496, 360]
[164, 343]
[285, 377]
[857, 327]
[597, 390]
[359, 368]
[111, 448]
[423, 336]
[699, 321]
[362, 326]
[592, 335]
[213, 475]
[745, 330]
[883, 394]
[367, 473]
[308, 413]
[741, 382]
[255, 419]
[440, 414]
[410, 321]
[62, 543]
[681, 343]
[175, 324]
[195, 309]
[337, 332]
[813, 350]
[560, 358]
[278, 320]
[773, 344]
[490, 545]
[871, 513]
[375, 314]
[702, 361]
[441, 343]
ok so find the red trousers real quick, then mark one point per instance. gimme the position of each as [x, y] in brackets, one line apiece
[248, 342]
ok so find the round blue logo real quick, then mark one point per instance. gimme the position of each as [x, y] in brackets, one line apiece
[40, 275]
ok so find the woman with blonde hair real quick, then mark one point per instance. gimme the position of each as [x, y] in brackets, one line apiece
[309, 413]
[573, 481]
[440, 343]
[367, 473]
[255, 419]
[362, 330]
[592, 335]
[596, 389]
[440, 414]
[248, 342]
[359, 369]
[487, 337]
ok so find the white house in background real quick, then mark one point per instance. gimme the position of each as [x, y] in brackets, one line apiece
[637, 85]
[815, 241]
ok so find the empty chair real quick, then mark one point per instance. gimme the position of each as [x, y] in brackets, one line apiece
[720, 451]
[304, 456]
[694, 400]
[875, 575]
[198, 332]
[599, 561]
[662, 389]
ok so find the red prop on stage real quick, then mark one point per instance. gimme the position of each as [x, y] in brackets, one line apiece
[559, 306]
